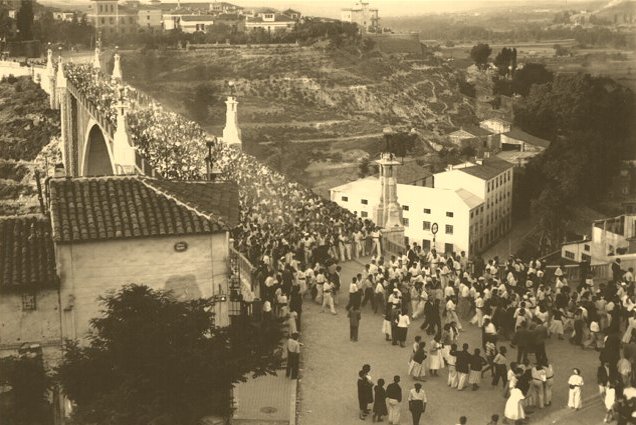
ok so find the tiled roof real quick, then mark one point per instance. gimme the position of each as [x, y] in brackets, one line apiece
[117, 207]
[198, 18]
[411, 172]
[490, 167]
[518, 134]
[277, 18]
[27, 257]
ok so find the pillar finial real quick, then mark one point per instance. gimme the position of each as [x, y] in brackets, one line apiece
[117, 74]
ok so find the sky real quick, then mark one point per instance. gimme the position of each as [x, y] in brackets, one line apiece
[331, 8]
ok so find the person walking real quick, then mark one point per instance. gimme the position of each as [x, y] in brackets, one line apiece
[417, 368]
[462, 366]
[365, 391]
[451, 360]
[575, 382]
[513, 410]
[417, 403]
[394, 398]
[403, 322]
[328, 289]
[549, 381]
[293, 356]
[477, 362]
[379, 402]
[436, 360]
[538, 383]
[501, 371]
[354, 323]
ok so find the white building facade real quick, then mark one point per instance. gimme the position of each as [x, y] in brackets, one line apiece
[366, 17]
[470, 203]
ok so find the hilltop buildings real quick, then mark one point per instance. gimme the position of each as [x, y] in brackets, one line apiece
[470, 204]
[115, 17]
[101, 233]
[500, 137]
[366, 17]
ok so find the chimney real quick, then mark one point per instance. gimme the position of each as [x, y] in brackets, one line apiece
[486, 154]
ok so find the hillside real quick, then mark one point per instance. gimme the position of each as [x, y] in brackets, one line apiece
[27, 126]
[330, 102]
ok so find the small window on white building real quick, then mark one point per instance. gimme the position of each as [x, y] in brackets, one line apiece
[569, 255]
[364, 202]
[427, 210]
[345, 199]
[449, 229]
[28, 301]
[405, 222]
[364, 214]
[449, 214]
[586, 247]
[405, 207]
[426, 225]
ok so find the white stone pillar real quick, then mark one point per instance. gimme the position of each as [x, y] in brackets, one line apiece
[58, 86]
[388, 212]
[231, 132]
[61, 101]
[123, 153]
[117, 75]
[97, 66]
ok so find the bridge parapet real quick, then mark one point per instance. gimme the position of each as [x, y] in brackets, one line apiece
[94, 110]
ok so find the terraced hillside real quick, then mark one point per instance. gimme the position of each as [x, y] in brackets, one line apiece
[330, 102]
[27, 128]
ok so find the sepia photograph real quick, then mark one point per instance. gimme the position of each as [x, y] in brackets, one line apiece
[301, 212]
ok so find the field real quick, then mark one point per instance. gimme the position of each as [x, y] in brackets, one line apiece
[309, 101]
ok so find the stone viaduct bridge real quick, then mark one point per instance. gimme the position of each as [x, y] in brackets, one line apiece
[93, 142]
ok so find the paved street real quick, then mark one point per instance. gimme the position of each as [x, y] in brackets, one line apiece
[330, 364]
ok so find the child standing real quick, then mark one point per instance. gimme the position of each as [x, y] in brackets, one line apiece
[575, 382]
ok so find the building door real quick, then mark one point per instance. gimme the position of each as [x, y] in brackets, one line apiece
[448, 248]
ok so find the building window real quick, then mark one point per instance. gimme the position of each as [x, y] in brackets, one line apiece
[585, 257]
[345, 199]
[586, 247]
[449, 214]
[364, 214]
[405, 207]
[111, 20]
[147, 17]
[449, 229]
[364, 202]
[569, 255]
[426, 225]
[472, 213]
[28, 301]
[405, 222]
[427, 210]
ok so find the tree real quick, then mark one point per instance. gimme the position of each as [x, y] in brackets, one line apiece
[153, 359]
[526, 77]
[25, 20]
[198, 104]
[480, 54]
[28, 383]
[560, 50]
[506, 61]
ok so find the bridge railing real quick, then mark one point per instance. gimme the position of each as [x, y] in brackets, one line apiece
[92, 108]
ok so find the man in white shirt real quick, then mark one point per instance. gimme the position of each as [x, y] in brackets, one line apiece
[327, 297]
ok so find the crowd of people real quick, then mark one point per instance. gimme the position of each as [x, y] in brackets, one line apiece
[296, 239]
[516, 302]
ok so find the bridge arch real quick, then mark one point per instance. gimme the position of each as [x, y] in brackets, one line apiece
[97, 157]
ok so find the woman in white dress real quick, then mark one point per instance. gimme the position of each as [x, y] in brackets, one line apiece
[631, 325]
[514, 409]
[575, 382]
[436, 358]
